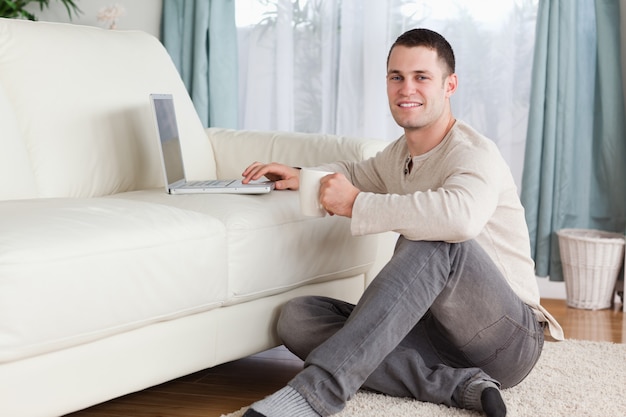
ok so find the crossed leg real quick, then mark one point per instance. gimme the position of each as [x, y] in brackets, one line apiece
[436, 320]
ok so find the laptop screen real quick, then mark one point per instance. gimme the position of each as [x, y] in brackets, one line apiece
[169, 137]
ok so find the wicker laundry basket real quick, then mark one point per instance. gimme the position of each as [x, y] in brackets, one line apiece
[591, 261]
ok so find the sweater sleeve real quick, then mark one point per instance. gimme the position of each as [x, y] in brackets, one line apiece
[451, 199]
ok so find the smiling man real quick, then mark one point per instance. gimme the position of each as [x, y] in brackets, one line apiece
[455, 315]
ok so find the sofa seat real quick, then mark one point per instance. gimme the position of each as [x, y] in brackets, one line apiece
[270, 246]
[126, 263]
[137, 258]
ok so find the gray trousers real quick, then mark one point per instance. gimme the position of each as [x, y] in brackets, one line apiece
[438, 317]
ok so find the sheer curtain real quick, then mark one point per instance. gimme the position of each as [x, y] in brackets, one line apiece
[320, 66]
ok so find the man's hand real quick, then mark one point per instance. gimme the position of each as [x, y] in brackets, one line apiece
[337, 195]
[284, 177]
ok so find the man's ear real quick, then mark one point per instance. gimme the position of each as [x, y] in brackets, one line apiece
[451, 84]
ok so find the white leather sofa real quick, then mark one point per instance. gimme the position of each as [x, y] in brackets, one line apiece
[108, 285]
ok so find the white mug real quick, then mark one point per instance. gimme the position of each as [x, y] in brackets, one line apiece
[310, 192]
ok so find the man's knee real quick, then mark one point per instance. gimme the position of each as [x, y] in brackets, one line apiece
[292, 313]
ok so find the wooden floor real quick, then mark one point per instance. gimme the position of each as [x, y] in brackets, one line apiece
[228, 387]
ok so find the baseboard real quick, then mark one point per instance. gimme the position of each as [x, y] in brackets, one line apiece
[551, 289]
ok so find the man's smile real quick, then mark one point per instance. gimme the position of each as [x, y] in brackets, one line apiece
[409, 104]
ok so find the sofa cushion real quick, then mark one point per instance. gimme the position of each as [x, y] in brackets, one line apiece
[271, 247]
[75, 270]
[80, 97]
[14, 162]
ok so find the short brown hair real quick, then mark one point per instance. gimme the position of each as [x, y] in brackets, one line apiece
[428, 39]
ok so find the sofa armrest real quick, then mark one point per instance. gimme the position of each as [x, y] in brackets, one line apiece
[235, 149]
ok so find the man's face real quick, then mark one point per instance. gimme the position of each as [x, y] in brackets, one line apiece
[417, 87]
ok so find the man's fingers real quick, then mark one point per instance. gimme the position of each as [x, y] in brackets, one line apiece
[254, 172]
[287, 184]
[250, 168]
[284, 177]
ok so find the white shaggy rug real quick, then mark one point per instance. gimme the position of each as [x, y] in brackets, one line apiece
[572, 378]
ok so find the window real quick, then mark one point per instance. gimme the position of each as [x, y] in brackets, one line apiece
[319, 65]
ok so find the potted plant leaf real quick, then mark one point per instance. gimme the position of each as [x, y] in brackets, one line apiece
[17, 8]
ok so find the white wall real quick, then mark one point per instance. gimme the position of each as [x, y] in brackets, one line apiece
[551, 289]
[142, 15]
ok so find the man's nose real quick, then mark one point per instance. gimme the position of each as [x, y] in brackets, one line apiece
[407, 87]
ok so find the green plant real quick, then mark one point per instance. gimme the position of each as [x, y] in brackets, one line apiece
[17, 8]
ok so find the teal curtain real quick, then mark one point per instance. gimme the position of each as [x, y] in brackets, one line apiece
[201, 38]
[575, 162]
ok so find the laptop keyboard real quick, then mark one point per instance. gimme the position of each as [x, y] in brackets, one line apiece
[209, 184]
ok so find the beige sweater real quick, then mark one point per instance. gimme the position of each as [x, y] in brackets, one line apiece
[462, 189]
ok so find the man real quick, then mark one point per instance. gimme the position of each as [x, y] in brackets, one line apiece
[454, 316]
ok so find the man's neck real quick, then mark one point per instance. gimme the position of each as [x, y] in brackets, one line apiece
[423, 140]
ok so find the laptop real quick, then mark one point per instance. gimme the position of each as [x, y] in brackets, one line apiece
[172, 158]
